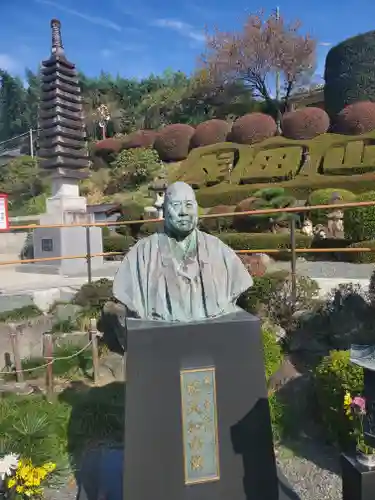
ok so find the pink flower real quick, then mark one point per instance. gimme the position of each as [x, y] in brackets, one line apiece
[359, 403]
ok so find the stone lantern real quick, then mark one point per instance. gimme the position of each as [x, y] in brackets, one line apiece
[157, 191]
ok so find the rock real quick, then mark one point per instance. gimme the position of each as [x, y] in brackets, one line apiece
[112, 325]
[256, 264]
[112, 366]
[18, 388]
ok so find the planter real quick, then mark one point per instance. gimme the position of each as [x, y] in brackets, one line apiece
[366, 460]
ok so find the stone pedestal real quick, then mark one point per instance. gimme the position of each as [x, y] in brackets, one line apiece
[197, 421]
[358, 482]
[67, 207]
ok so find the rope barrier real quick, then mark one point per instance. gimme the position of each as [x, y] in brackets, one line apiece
[61, 358]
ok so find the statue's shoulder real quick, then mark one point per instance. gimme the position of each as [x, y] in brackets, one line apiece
[146, 242]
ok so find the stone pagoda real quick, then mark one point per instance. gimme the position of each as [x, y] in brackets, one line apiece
[64, 157]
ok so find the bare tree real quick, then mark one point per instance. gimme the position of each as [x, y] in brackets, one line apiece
[264, 47]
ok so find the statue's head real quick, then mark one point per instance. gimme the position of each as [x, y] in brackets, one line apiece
[180, 209]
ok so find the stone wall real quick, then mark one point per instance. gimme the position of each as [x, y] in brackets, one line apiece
[11, 245]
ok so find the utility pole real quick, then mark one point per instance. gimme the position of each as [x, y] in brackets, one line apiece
[278, 117]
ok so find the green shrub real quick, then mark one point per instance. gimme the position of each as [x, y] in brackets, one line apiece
[129, 212]
[324, 197]
[333, 377]
[218, 223]
[117, 243]
[134, 167]
[273, 356]
[20, 314]
[260, 241]
[362, 257]
[359, 223]
[256, 298]
[94, 295]
[61, 367]
[349, 73]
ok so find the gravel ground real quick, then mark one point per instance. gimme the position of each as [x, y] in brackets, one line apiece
[332, 270]
[312, 469]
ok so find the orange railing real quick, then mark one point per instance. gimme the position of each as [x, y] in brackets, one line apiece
[292, 250]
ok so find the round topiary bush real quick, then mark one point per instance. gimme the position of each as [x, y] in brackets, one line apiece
[359, 223]
[252, 128]
[350, 73]
[325, 197]
[218, 224]
[210, 132]
[107, 149]
[356, 119]
[172, 142]
[305, 123]
[140, 139]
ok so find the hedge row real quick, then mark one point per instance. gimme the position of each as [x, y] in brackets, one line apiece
[300, 188]
[264, 241]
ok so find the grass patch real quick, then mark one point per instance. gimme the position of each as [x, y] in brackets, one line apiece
[61, 431]
[20, 314]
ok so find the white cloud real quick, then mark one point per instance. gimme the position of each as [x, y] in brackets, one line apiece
[8, 63]
[181, 27]
[100, 21]
[325, 44]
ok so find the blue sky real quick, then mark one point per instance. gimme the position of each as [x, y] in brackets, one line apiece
[137, 37]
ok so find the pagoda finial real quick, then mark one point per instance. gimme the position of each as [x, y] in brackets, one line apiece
[57, 46]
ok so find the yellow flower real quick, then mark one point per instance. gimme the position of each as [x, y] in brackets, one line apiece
[347, 403]
[20, 488]
[49, 467]
[11, 482]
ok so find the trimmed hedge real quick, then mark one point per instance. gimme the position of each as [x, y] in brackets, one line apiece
[252, 128]
[129, 212]
[140, 139]
[218, 223]
[300, 188]
[362, 257]
[172, 142]
[107, 149]
[359, 223]
[117, 243]
[260, 241]
[350, 73]
[356, 119]
[324, 197]
[305, 123]
[210, 132]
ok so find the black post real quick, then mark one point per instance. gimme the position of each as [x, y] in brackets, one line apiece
[294, 260]
[88, 254]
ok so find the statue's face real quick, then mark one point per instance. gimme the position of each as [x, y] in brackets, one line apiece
[180, 209]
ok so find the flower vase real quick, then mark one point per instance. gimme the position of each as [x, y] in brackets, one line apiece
[365, 459]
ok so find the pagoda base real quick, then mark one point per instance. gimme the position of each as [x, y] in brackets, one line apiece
[67, 241]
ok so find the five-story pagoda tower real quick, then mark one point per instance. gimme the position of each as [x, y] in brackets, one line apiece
[64, 157]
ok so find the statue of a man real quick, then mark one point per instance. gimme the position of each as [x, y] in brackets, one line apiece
[180, 274]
